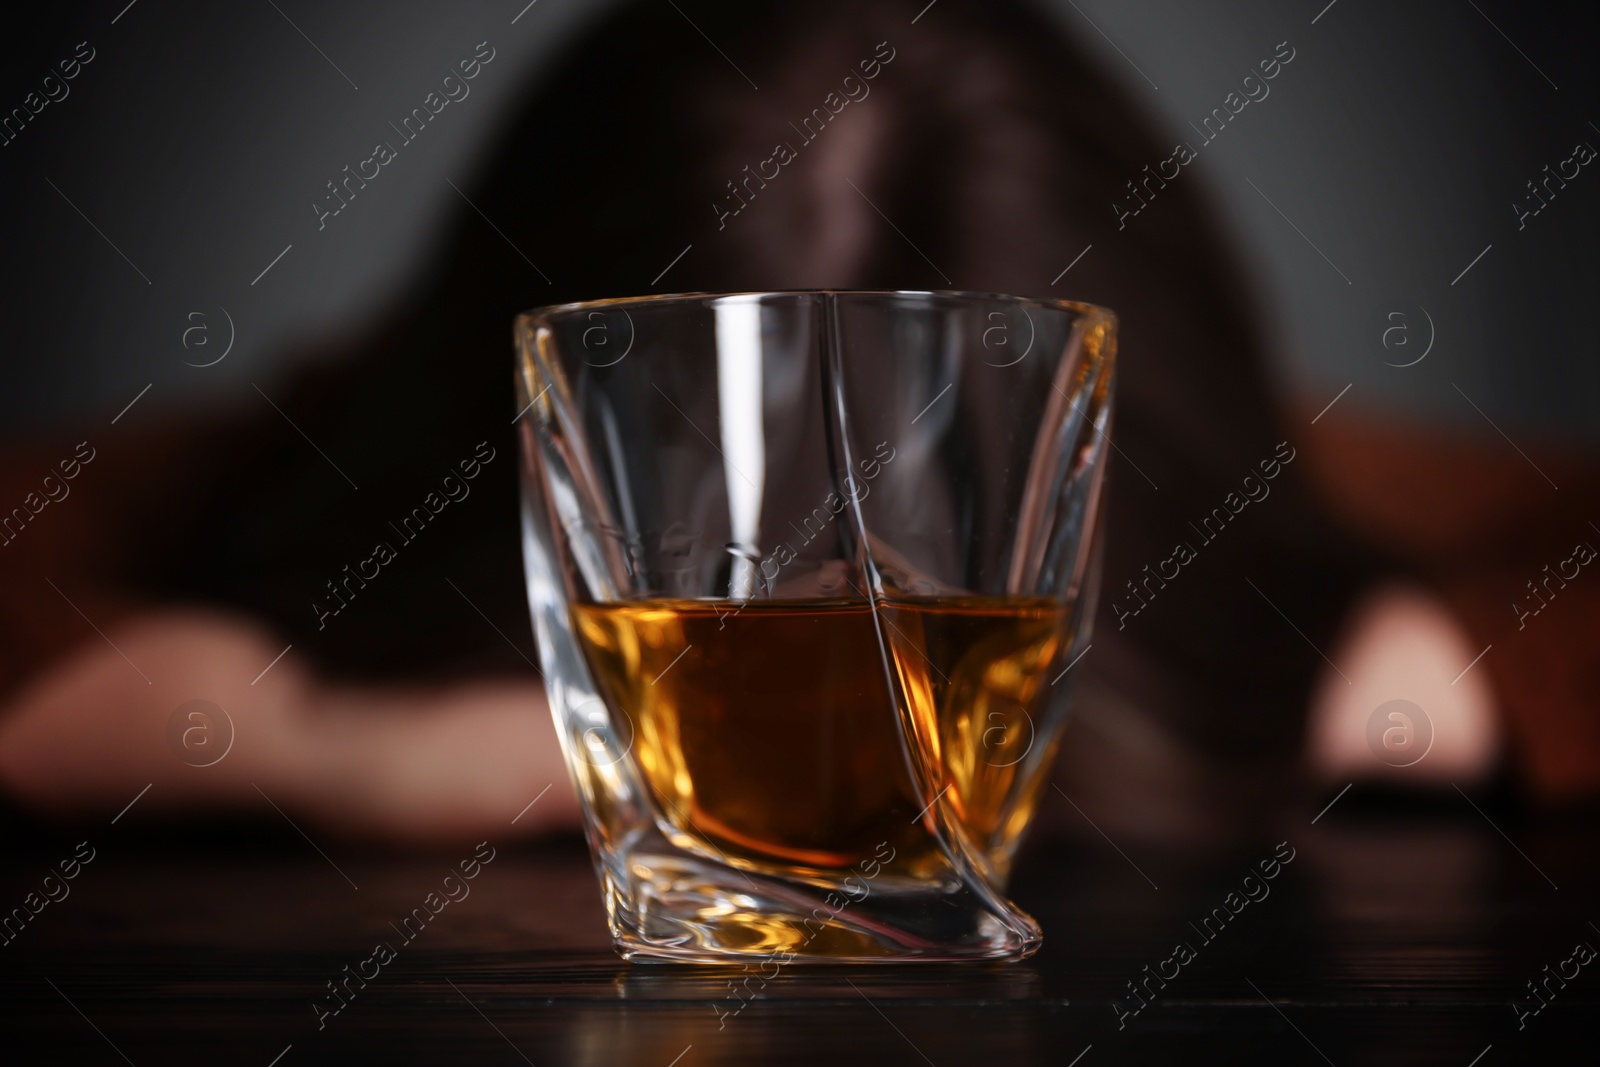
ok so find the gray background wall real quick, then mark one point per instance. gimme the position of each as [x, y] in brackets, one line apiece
[1391, 149]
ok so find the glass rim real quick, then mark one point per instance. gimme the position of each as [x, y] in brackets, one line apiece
[543, 314]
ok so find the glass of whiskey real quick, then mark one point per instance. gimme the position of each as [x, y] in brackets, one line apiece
[805, 571]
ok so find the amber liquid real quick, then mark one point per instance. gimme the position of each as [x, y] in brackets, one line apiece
[769, 731]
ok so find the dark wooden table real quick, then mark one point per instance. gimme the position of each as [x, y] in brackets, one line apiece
[1401, 933]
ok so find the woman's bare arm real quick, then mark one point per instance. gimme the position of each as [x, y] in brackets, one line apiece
[88, 732]
[91, 674]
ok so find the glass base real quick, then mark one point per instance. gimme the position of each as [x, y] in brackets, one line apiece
[671, 906]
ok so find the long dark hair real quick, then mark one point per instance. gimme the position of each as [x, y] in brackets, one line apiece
[985, 152]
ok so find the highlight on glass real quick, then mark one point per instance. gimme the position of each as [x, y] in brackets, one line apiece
[806, 569]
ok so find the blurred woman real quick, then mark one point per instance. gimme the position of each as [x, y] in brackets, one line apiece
[984, 143]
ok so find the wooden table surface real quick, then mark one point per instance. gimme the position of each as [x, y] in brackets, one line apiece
[1400, 933]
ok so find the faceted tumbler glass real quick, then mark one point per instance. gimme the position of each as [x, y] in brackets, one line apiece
[806, 570]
